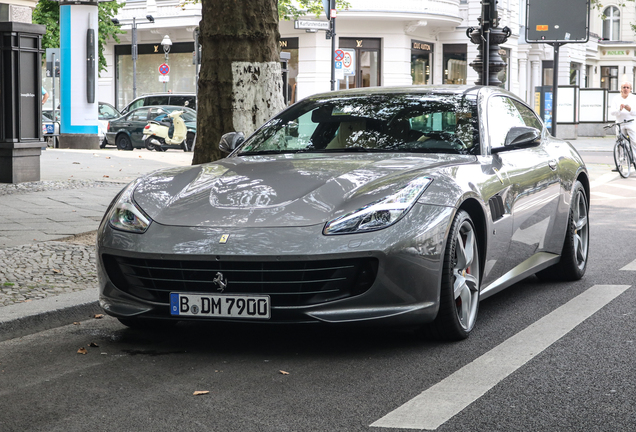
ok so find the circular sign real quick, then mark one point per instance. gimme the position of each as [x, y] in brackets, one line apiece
[164, 69]
[346, 61]
[339, 54]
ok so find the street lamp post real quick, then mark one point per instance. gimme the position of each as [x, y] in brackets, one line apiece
[133, 50]
[166, 43]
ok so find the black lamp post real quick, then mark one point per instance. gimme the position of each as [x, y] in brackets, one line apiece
[488, 36]
[151, 20]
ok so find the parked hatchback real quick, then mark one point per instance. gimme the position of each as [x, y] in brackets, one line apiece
[177, 99]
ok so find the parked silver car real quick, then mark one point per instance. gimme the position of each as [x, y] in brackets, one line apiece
[390, 205]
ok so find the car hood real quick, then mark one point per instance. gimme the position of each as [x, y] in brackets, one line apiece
[280, 190]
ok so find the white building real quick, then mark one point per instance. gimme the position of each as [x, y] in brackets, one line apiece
[403, 42]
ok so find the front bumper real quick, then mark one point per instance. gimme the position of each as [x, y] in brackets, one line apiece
[405, 289]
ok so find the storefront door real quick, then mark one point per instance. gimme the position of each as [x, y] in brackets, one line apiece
[367, 63]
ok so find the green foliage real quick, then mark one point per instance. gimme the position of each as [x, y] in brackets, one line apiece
[287, 9]
[47, 13]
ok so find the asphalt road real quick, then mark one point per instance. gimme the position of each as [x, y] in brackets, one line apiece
[543, 357]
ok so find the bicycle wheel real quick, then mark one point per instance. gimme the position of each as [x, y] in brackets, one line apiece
[621, 159]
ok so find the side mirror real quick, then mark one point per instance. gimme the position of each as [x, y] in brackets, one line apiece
[522, 136]
[519, 137]
[231, 141]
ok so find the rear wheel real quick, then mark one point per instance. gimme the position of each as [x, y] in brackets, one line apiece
[573, 261]
[461, 277]
[622, 159]
[123, 142]
[188, 144]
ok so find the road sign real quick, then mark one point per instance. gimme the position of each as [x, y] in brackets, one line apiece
[311, 25]
[164, 78]
[164, 69]
[349, 62]
[338, 55]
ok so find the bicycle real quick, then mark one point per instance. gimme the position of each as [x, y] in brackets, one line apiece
[623, 150]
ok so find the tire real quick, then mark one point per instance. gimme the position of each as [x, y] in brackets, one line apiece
[123, 142]
[188, 144]
[461, 277]
[149, 145]
[102, 144]
[622, 159]
[148, 324]
[575, 251]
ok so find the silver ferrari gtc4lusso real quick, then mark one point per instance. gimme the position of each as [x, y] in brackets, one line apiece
[390, 205]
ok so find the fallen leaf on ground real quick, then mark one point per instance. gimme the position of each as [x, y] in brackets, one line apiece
[98, 316]
[107, 157]
[82, 350]
[76, 323]
[200, 392]
[106, 176]
[76, 163]
[56, 271]
[284, 373]
[93, 345]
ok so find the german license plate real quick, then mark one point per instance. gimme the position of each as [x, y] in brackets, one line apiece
[220, 306]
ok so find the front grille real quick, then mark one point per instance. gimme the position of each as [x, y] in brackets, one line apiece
[288, 283]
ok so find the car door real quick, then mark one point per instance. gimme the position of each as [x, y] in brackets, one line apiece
[137, 120]
[534, 184]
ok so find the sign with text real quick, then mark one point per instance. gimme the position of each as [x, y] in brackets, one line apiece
[311, 25]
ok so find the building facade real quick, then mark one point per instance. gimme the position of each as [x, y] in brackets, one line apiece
[401, 43]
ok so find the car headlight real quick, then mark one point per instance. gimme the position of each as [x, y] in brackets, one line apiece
[125, 215]
[379, 214]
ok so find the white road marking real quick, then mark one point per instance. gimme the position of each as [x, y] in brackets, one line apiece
[435, 406]
[631, 266]
[603, 195]
[623, 186]
[605, 178]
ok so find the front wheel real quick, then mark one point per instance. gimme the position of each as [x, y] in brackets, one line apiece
[123, 142]
[622, 159]
[461, 277]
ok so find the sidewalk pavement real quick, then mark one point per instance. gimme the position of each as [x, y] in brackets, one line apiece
[47, 234]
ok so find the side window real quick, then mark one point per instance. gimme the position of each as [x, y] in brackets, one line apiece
[139, 115]
[529, 117]
[502, 116]
[136, 105]
[188, 101]
[156, 100]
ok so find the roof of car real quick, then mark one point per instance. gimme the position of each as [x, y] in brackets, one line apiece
[424, 89]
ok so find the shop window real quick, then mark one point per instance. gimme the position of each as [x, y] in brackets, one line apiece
[575, 74]
[290, 45]
[609, 77]
[421, 62]
[455, 63]
[589, 70]
[548, 72]
[367, 60]
[611, 23]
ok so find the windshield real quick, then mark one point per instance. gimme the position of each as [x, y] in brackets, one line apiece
[387, 122]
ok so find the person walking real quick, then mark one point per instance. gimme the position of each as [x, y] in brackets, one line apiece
[45, 95]
[624, 108]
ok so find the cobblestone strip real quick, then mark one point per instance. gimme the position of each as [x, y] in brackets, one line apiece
[40, 270]
[40, 186]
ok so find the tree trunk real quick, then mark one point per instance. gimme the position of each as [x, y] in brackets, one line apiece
[240, 84]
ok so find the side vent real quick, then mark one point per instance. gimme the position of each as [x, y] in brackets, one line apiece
[496, 207]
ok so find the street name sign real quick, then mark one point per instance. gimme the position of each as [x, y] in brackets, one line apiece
[311, 25]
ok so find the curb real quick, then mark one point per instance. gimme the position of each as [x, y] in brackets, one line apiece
[31, 317]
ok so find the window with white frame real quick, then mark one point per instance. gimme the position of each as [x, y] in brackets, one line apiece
[611, 23]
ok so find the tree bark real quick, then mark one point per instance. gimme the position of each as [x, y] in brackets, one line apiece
[240, 84]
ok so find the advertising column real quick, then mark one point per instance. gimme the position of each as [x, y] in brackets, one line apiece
[78, 75]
